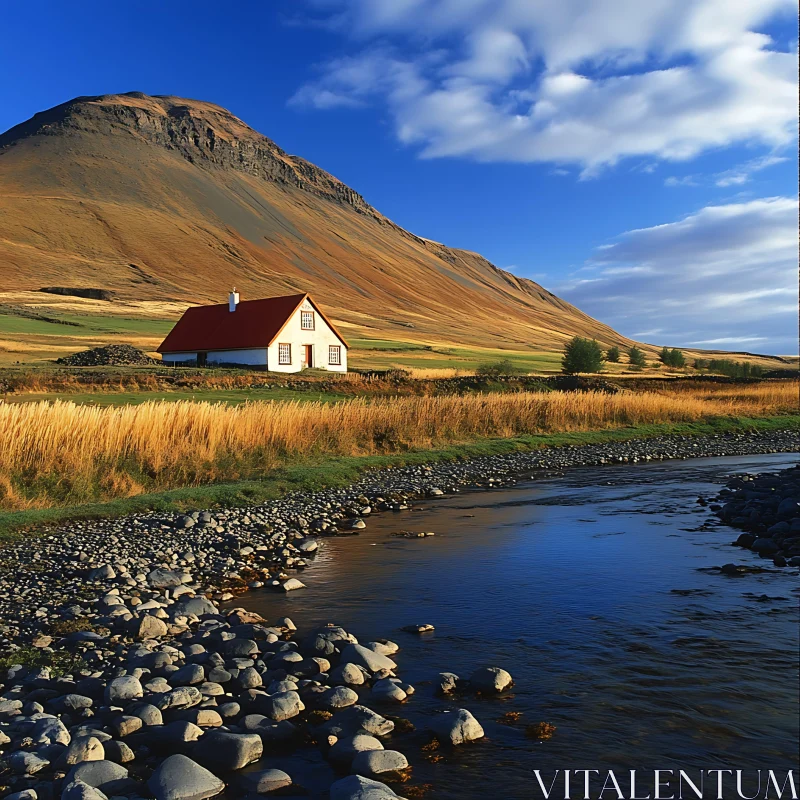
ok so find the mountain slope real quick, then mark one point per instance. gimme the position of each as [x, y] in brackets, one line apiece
[167, 199]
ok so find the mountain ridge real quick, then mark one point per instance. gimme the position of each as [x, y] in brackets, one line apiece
[161, 197]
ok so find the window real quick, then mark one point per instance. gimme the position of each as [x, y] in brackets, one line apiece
[334, 354]
[307, 320]
[284, 354]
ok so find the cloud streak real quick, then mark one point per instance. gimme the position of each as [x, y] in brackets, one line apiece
[693, 280]
[565, 81]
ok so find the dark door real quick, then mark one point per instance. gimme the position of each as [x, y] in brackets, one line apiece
[202, 359]
[309, 350]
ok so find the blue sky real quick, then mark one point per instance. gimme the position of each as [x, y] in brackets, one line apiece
[636, 158]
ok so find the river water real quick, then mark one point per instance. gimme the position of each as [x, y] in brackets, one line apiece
[590, 589]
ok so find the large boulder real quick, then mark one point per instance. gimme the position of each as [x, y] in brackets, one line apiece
[103, 775]
[193, 607]
[356, 787]
[456, 727]
[122, 689]
[490, 680]
[180, 778]
[347, 748]
[364, 657]
[372, 763]
[265, 781]
[228, 751]
[280, 706]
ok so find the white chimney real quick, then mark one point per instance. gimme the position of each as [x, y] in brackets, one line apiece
[233, 300]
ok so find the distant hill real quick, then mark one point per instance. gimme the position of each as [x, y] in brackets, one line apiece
[167, 199]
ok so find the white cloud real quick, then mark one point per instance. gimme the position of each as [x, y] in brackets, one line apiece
[741, 173]
[725, 275]
[586, 82]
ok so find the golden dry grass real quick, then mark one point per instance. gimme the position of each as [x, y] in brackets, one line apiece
[119, 451]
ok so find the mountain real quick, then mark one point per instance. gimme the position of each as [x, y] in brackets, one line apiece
[167, 199]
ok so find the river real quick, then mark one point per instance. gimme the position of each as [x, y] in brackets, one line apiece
[589, 587]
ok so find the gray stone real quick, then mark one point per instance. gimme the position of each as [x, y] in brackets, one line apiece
[26, 763]
[180, 778]
[164, 579]
[370, 763]
[281, 706]
[189, 675]
[356, 787]
[118, 752]
[364, 657]
[349, 674]
[336, 698]
[490, 680]
[49, 730]
[147, 713]
[194, 607]
[147, 627]
[182, 697]
[388, 690]
[101, 775]
[123, 689]
[78, 790]
[265, 781]
[456, 727]
[82, 748]
[446, 682]
[228, 751]
[347, 748]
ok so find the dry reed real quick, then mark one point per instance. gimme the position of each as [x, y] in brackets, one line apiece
[123, 450]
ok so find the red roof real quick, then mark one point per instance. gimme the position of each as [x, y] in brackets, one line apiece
[254, 323]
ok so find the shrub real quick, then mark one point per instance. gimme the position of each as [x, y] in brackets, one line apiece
[612, 354]
[636, 357]
[672, 358]
[581, 355]
[504, 368]
[735, 369]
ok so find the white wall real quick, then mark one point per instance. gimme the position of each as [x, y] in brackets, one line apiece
[257, 357]
[172, 358]
[320, 338]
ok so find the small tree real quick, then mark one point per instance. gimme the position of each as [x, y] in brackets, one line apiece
[676, 358]
[672, 358]
[498, 369]
[636, 357]
[612, 354]
[581, 355]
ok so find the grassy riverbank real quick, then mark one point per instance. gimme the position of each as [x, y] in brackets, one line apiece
[313, 473]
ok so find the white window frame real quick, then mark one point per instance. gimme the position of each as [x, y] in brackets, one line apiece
[285, 357]
[307, 316]
[337, 349]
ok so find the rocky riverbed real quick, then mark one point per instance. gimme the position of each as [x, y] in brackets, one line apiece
[130, 681]
[767, 507]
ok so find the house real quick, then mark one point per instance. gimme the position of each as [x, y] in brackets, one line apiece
[281, 334]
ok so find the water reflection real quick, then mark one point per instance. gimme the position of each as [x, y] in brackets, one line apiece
[586, 588]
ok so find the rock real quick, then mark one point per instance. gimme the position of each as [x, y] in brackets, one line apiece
[370, 763]
[490, 680]
[78, 790]
[163, 579]
[292, 584]
[25, 794]
[118, 752]
[147, 713]
[49, 730]
[364, 657]
[446, 682]
[228, 751]
[189, 675]
[147, 627]
[338, 697]
[356, 787]
[123, 689]
[249, 678]
[195, 607]
[103, 775]
[26, 763]
[456, 727]
[182, 697]
[280, 706]
[347, 748]
[425, 627]
[82, 748]
[349, 674]
[387, 690]
[265, 781]
[180, 778]
[359, 717]
[764, 547]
